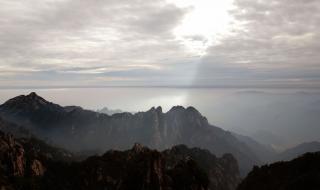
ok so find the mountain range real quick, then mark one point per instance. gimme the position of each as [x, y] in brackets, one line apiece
[29, 163]
[77, 129]
[47, 146]
[80, 130]
[298, 150]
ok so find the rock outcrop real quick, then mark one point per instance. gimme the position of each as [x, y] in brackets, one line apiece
[23, 160]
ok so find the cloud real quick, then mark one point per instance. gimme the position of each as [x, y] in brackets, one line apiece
[271, 42]
[94, 36]
[79, 42]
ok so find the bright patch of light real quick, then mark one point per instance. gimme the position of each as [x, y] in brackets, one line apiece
[206, 22]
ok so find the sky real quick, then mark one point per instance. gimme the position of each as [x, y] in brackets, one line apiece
[270, 43]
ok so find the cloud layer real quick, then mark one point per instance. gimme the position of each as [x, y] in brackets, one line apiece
[272, 42]
[132, 42]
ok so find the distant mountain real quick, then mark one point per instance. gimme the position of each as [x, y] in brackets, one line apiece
[28, 163]
[298, 150]
[265, 153]
[266, 137]
[299, 174]
[108, 111]
[77, 129]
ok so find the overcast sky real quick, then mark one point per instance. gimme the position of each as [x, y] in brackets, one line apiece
[159, 42]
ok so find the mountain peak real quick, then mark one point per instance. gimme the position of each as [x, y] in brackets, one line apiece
[189, 110]
[176, 108]
[26, 104]
[137, 147]
[158, 109]
[193, 110]
[31, 98]
[33, 94]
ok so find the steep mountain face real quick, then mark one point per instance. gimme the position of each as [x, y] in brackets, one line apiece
[298, 150]
[32, 164]
[78, 129]
[299, 174]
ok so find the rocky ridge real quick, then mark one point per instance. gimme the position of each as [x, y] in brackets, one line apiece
[76, 129]
[32, 164]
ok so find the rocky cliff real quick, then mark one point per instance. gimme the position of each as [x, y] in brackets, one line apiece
[23, 160]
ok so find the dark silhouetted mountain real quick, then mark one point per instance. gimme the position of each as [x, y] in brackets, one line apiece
[298, 150]
[30, 109]
[299, 174]
[77, 129]
[28, 163]
[134, 169]
[223, 172]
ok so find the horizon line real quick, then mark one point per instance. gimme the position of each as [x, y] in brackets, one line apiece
[282, 86]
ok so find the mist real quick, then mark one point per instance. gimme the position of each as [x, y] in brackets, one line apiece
[281, 118]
